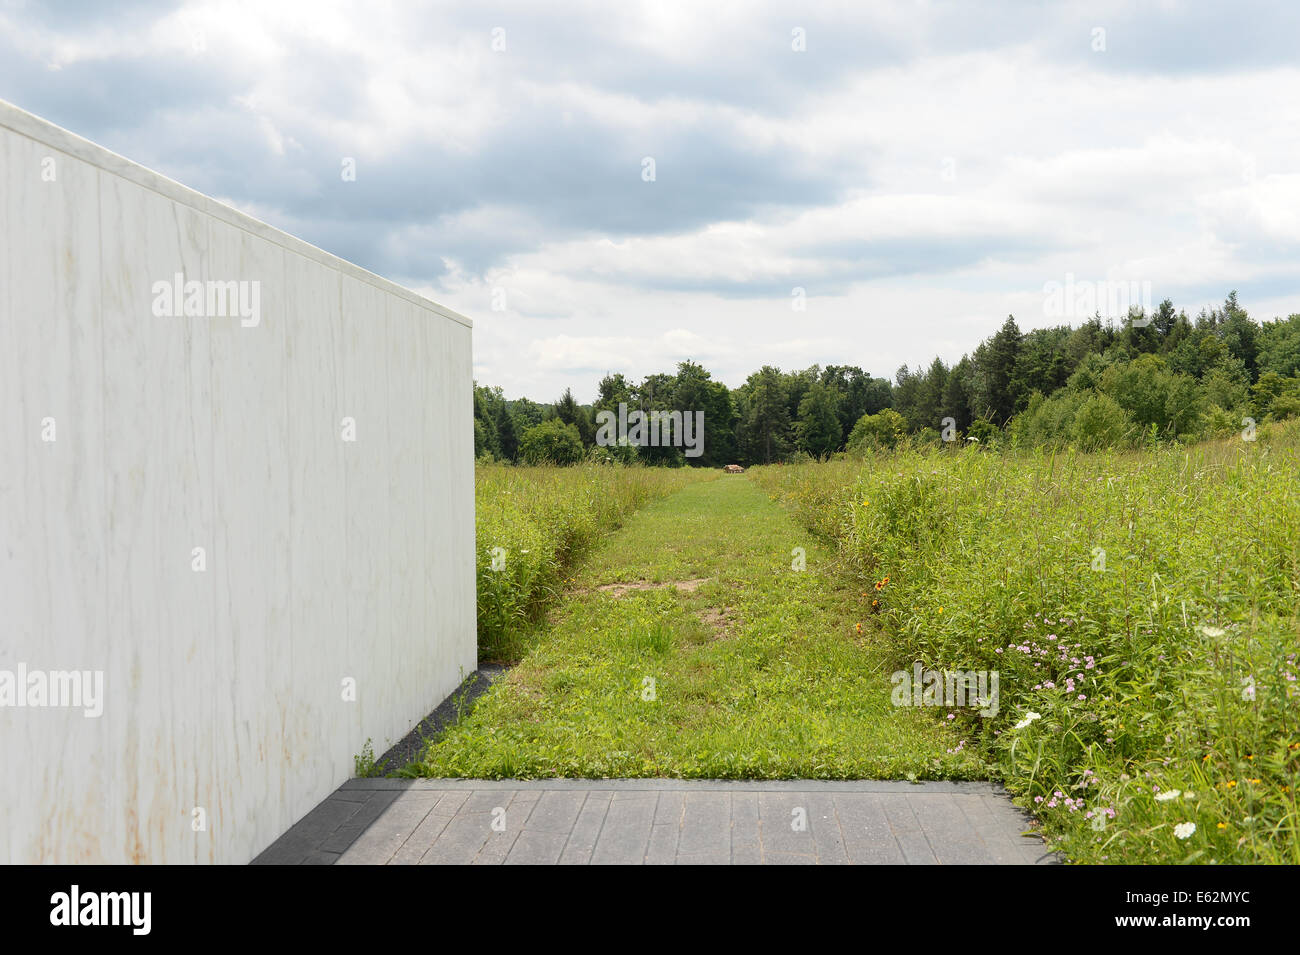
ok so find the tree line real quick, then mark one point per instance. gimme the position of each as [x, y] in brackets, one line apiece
[1156, 376]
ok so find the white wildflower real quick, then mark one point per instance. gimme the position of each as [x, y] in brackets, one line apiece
[1029, 718]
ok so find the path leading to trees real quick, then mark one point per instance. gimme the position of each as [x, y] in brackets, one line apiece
[709, 637]
[716, 682]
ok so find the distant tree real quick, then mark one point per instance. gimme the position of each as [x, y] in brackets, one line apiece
[930, 395]
[612, 391]
[1167, 376]
[995, 383]
[1280, 347]
[907, 397]
[486, 440]
[1240, 335]
[507, 439]
[818, 427]
[1100, 423]
[551, 442]
[526, 414]
[767, 419]
[956, 395]
[875, 431]
[877, 395]
[1042, 363]
[570, 412]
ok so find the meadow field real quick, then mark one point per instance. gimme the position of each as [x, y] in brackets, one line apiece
[1138, 608]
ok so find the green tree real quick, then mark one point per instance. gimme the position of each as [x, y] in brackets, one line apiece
[818, 427]
[874, 431]
[570, 412]
[1241, 335]
[1101, 423]
[767, 418]
[551, 442]
[526, 414]
[995, 381]
[907, 397]
[930, 395]
[956, 395]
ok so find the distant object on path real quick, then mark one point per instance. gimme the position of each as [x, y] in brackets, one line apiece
[734, 469]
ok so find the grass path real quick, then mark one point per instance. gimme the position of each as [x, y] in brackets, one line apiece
[687, 646]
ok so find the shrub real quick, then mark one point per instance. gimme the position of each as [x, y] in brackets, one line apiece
[876, 431]
[1100, 422]
[551, 442]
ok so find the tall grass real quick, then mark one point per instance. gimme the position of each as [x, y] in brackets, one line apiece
[532, 523]
[1140, 608]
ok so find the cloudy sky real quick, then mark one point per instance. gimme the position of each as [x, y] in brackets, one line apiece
[620, 186]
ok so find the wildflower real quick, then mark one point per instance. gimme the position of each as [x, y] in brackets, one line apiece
[1213, 632]
[1167, 795]
[1223, 825]
[940, 610]
[1184, 830]
[1029, 718]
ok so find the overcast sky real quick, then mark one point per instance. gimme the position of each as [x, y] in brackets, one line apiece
[919, 169]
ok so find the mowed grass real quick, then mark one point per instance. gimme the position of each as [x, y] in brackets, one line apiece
[687, 646]
[533, 523]
[1142, 609]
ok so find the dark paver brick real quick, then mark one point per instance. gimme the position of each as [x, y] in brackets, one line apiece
[661, 821]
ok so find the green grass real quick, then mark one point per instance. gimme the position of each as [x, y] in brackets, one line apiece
[532, 524]
[706, 655]
[1169, 666]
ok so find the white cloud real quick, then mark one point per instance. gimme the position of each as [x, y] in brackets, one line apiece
[922, 170]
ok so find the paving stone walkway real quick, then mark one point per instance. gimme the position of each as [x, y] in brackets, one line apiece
[659, 821]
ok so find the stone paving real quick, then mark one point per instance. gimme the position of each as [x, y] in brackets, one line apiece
[659, 821]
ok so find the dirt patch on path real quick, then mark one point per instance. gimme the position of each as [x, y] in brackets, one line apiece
[685, 586]
[718, 621]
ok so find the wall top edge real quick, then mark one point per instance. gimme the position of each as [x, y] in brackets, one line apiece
[56, 137]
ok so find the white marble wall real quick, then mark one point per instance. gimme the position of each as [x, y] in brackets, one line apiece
[325, 560]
